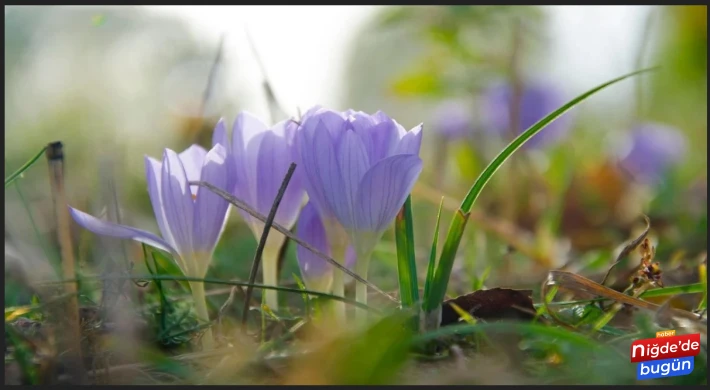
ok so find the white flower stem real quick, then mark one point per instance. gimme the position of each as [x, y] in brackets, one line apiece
[338, 283]
[361, 266]
[270, 269]
[198, 294]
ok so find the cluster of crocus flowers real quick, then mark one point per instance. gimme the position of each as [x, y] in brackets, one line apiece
[358, 170]
[190, 219]
[530, 102]
[651, 149]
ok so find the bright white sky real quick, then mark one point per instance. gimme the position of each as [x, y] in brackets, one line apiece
[304, 47]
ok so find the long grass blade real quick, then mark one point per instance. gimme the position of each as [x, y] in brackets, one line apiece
[406, 262]
[432, 259]
[458, 223]
[24, 167]
[220, 282]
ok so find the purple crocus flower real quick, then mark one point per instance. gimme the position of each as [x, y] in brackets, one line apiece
[261, 157]
[190, 219]
[652, 149]
[452, 119]
[317, 273]
[537, 100]
[358, 169]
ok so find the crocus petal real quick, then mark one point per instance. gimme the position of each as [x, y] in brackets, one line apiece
[246, 127]
[105, 228]
[177, 202]
[384, 137]
[192, 159]
[327, 174]
[273, 161]
[354, 163]
[333, 121]
[220, 137]
[210, 208]
[384, 189]
[410, 143]
[310, 229]
[153, 169]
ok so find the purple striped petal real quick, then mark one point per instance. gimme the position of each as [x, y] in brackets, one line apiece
[383, 190]
[105, 228]
[311, 230]
[192, 159]
[211, 209]
[153, 169]
[410, 143]
[177, 202]
[274, 159]
[327, 174]
[354, 163]
[220, 137]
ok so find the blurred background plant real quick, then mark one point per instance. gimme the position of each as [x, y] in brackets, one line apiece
[115, 83]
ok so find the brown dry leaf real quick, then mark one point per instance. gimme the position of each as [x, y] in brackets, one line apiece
[493, 304]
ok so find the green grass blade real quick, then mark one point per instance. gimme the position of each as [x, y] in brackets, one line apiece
[23, 168]
[491, 169]
[221, 282]
[432, 259]
[453, 237]
[406, 262]
[440, 283]
[692, 288]
[306, 300]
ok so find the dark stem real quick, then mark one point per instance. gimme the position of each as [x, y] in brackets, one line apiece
[262, 242]
[70, 312]
[240, 204]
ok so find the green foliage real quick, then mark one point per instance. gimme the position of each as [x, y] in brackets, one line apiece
[406, 260]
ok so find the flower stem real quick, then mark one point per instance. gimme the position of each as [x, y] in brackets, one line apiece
[361, 266]
[198, 294]
[338, 283]
[270, 264]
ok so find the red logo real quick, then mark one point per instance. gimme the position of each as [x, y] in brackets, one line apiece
[661, 348]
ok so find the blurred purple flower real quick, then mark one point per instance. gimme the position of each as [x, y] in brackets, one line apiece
[536, 102]
[317, 273]
[358, 169]
[260, 157]
[453, 120]
[190, 219]
[653, 148]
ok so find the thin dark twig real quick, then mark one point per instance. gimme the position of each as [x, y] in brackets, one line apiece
[262, 241]
[240, 204]
[628, 248]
